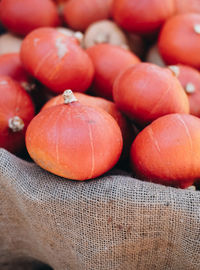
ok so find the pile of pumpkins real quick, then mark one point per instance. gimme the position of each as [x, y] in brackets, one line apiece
[87, 85]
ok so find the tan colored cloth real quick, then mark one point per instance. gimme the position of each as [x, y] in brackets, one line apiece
[112, 223]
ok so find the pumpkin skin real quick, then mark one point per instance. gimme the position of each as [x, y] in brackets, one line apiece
[179, 40]
[73, 142]
[56, 60]
[109, 61]
[14, 101]
[146, 91]
[168, 151]
[10, 65]
[23, 16]
[190, 81]
[127, 131]
[144, 16]
[185, 6]
[80, 14]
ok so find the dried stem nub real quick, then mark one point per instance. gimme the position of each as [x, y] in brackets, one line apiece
[16, 124]
[69, 96]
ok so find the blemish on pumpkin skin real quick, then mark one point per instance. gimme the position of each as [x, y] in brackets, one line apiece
[61, 47]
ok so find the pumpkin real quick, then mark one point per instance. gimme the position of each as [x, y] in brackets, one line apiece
[10, 43]
[128, 133]
[10, 65]
[144, 16]
[70, 33]
[109, 61]
[56, 60]
[185, 6]
[105, 31]
[190, 81]
[72, 142]
[146, 91]
[168, 151]
[23, 16]
[80, 14]
[179, 40]
[16, 111]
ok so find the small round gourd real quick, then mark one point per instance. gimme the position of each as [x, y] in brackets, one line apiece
[145, 92]
[179, 40]
[56, 60]
[109, 61]
[189, 78]
[23, 16]
[143, 16]
[128, 133]
[80, 14]
[168, 151]
[16, 111]
[75, 141]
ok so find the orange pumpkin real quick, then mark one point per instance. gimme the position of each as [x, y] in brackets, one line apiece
[168, 151]
[72, 141]
[109, 61]
[128, 133]
[190, 81]
[10, 65]
[179, 40]
[16, 111]
[56, 60]
[146, 91]
[185, 6]
[23, 16]
[144, 16]
[80, 14]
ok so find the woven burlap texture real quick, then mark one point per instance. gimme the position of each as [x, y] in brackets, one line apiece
[112, 223]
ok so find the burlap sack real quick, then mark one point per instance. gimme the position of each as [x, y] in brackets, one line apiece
[112, 223]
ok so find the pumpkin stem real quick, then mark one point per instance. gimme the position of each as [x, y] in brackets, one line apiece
[16, 124]
[197, 28]
[190, 88]
[79, 36]
[28, 86]
[69, 96]
[175, 70]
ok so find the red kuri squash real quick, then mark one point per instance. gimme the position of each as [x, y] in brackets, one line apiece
[109, 61]
[168, 151]
[190, 80]
[146, 91]
[23, 16]
[179, 40]
[80, 14]
[75, 141]
[142, 16]
[16, 111]
[56, 60]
